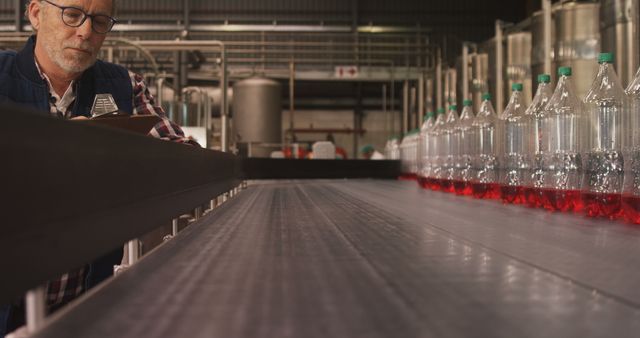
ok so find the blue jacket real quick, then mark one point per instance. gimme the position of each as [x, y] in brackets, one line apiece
[20, 83]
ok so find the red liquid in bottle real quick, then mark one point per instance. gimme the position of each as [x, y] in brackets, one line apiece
[606, 205]
[433, 184]
[532, 197]
[408, 177]
[631, 208]
[486, 190]
[447, 185]
[561, 200]
[422, 181]
[511, 194]
[462, 188]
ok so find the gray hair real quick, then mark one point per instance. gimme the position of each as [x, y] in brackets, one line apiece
[26, 8]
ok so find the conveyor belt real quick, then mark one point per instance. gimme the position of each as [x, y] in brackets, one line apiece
[373, 259]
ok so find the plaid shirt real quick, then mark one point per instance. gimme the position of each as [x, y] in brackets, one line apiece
[62, 290]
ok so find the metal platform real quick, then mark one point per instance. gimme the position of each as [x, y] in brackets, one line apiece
[365, 258]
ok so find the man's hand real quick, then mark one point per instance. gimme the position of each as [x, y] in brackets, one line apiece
[79, 118]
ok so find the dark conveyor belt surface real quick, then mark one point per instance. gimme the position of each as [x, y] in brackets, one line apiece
[373, 259]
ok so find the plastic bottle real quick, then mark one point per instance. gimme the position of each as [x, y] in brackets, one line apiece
[394, 148]
[438, 153]
[409, 155]
[485, 161]
[631, 188]
[450, 149]
[464, 136]
[604, 162]
[535, 113]
[562, 139]
[423, 149]
[515, 157]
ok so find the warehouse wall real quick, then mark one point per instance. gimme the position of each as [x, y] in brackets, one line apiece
[374, 122]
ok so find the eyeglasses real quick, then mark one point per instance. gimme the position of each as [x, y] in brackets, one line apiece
[75, 17]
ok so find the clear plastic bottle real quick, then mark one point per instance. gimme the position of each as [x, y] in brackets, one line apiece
[515, 157]
[606, 105]
[394, 148]
[423, 149]
[562, 139]
[409, 155]
[535, 113]
[464, 139]
[433, 180]
[485, 162]
[631, 188]
[440, 153]
[450, 147]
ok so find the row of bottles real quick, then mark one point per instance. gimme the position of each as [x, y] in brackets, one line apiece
[560, 153]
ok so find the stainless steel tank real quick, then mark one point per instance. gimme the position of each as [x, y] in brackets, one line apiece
[518, 64]
[257, 118]
[537, 48]
[577, 42]
[619, 31]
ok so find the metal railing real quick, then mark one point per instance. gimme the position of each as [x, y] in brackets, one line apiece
[119, 192]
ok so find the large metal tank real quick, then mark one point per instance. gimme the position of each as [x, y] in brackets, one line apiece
[537, 48]
[257, 119]
[577, 42]
[518, 64]
[619, 31]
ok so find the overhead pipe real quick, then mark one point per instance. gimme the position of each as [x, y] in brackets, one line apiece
[206, 46]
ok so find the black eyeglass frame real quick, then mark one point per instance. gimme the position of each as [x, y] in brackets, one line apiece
[84, 18]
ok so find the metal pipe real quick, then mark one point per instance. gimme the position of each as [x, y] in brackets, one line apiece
[405, 107]
[197, 213]
[465, 71]
[421, 100]
[439, 97]
[133, 248]
[174, 227]
[145, 52]
[447, 89]
[384, 109]
[35, 306]
[499, 65]
[546, 7]
[292, 75]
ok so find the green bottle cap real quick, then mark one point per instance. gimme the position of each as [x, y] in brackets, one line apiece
[440, 111]
[564, 71]
[516, 87]
[605, 58]
[467, 103]
[544, 78]
[486, 97]
[453, 107]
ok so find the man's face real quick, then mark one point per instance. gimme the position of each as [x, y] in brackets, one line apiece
[73, 49]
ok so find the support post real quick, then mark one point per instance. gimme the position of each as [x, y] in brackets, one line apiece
[499, 71]
[35, 308]
[465, 71]
[546, 7]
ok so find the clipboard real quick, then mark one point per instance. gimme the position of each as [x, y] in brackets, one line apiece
[139, 124]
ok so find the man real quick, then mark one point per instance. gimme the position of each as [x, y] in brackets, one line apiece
[57, 73]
